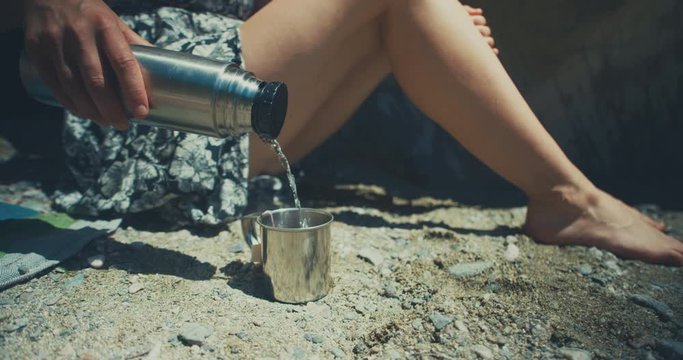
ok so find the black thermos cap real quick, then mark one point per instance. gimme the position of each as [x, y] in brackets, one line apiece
[269, 109]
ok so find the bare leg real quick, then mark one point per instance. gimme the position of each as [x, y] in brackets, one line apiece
[438, 58]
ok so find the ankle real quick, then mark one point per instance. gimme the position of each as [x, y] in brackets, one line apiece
[566, 193]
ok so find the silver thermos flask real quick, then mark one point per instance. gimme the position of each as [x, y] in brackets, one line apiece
[195, 94]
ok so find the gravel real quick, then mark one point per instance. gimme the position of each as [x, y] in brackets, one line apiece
[482, 351]
[469, 269]
[315, 338]
[584, 269]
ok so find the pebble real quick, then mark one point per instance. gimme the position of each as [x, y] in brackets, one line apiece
[75, 281]
[135, 287]
[612, 265]
[574, 354]
[314, 338]
[584, 269]
[511, 253]
[96, 262]
[417, 325]
[390, 291]
[371, 255]
[670, 349]
[597, 253]
[53, 299]
[470, 269]
[236, 248]
[298, 353]
[154, 353]
[510, 240]
[194, 333]
[15, 325]
[662, 309]
[482, 351]
[496, 339]
[440, 321]
[337, 352]
[460, 325]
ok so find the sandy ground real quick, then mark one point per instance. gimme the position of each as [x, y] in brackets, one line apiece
[424, 278]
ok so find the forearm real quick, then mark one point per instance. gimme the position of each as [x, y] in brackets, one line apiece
[11, 15]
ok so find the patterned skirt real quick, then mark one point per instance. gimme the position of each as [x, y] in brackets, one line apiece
[190, 178]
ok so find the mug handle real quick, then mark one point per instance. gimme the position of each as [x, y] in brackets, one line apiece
[251, 231]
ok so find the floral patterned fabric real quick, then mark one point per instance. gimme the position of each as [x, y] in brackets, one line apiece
[192, 178]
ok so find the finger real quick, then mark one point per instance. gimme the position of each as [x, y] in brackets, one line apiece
[127, 70]
[479, 20]
[484, 30]
[40, 50]
[100, 89]
[131, 36]
[71, 80]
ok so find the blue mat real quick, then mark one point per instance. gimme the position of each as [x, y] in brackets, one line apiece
[31, 242]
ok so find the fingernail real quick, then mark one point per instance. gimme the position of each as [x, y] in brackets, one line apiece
[140, 112]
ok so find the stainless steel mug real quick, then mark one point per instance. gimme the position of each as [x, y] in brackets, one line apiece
[195, 94]
[296, 260]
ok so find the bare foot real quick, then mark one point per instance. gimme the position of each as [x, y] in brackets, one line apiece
[480, 22]
[569, 216]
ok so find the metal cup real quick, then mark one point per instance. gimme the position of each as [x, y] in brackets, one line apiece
[296, 259]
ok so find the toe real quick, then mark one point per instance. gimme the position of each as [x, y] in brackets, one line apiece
[478, 20]
[484, 30]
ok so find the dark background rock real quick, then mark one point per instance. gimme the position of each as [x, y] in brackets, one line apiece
[604, 77]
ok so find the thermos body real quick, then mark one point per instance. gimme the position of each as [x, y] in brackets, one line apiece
[195, 94]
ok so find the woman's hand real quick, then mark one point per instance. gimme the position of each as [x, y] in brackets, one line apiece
[80, 49]
[480, 22]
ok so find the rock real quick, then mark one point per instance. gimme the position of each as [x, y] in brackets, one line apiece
[584, 269]
[574, 354]
[597, 253]
[612, 265]
[135, 287]
[440, 321]
[460, 325]
[496, 339]
[599, 280]
[510, 240]
[7, 151]
[74, 282]
[96, 262]
[371, 255]
[194, 334]
[52, 299]
[337, 352]
[298, 353]
[511, 253]
[470, 269]
[236, 248]
[670, 349]
[641, 341]
[663, 310]
[482, 351]
[390, 291]
[314, 338]
[154, 353]
[417, 325]
[15, 325]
